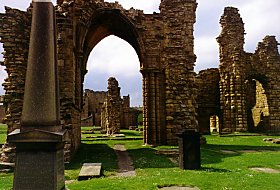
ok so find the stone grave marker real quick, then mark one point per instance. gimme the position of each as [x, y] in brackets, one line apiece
[90, 170]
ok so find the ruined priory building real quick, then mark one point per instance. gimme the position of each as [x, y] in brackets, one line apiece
[94, 109]
[244, 91]
[164, 43]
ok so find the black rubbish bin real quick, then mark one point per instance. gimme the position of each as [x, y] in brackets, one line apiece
[189, 150]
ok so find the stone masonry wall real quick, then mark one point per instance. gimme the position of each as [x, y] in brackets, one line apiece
[267, 61]
[92, 108]
[2, 113]
[95, 103]
[14, 34]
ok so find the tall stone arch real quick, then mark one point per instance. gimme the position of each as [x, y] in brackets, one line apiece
[164, 48]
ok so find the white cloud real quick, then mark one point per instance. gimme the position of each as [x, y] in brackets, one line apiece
[19, 4]
[207, 52]
[114, 56]
[260, 18]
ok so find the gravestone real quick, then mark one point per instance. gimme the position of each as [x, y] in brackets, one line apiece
[90, 170]
[40, 139]
[189, 150]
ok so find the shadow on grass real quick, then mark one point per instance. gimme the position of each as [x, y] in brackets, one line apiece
[131, 133]
[146, 158]
[210, 169]
[216, 153]
[94, 153]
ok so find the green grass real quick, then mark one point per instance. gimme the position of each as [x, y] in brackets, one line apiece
[132, 134]
[219, 170]
[3, 133]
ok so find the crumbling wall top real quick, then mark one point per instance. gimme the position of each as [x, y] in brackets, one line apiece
[269, 45]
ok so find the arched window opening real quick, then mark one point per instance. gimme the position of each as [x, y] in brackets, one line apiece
[113, 57]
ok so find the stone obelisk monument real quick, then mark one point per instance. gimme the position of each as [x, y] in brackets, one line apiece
[40, 139]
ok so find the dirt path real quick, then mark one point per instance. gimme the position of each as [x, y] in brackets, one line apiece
[125, 163]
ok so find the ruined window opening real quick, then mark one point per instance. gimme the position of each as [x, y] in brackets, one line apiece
[114, 57]
[257, 103]
[214, 124]
[3, 73]
[260, 110]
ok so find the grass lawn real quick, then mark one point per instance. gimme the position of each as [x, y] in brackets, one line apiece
[220, 170]
[3, 133]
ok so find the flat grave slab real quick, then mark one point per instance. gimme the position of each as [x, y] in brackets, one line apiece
[90, 170]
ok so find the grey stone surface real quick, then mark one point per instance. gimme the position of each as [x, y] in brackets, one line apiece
[189, 150]
[265, 170]
[90, 170]
[179, 188]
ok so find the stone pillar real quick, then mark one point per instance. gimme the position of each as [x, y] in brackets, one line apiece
[40, 139]
[154, 116]
[232, 72]
[178, 57]
[111, 117]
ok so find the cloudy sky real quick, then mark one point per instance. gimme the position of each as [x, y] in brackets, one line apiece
[115, 57]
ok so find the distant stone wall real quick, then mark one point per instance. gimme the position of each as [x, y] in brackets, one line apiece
[208, 98]
[93, 102]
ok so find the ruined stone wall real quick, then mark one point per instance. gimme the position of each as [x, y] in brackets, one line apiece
[125, 112]
[208, 98]
[95, 102]
[2, 110]
[14, 34]
[163, 42]
[85, 112]
[238, 69]
[268, 55]
[92, 108]
[69, 78]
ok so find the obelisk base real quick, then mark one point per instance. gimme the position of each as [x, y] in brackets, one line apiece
[39, 160]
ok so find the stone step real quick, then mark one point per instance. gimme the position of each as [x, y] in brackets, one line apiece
[6, 167]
